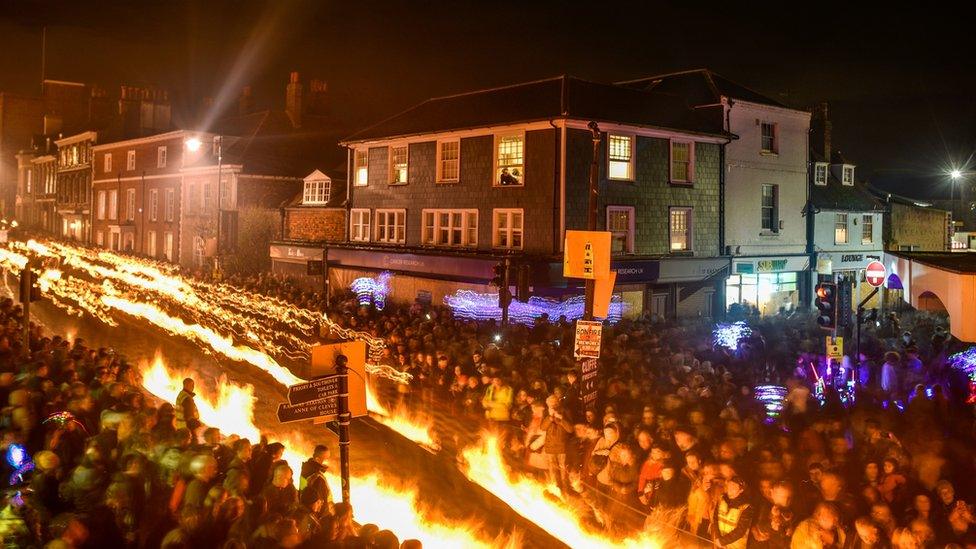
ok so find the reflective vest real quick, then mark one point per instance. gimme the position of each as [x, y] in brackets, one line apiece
[728, 519]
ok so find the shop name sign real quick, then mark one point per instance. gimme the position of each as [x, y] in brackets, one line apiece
[852, 258]
[761, 266]
[296, 252]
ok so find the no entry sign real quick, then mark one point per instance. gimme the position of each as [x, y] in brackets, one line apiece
[875, 273]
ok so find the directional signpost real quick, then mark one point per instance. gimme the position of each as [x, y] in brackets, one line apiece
[323, 387]
[315, 409]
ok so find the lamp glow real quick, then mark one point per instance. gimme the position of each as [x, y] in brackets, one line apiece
[193, 144]
[955, 174]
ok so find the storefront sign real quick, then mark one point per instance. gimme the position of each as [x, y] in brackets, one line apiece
[298, 254]
[851, 261]
[786, 264]
[444, 265]
[424, 297]
[589, 335]
[691, 269]
[636, 271]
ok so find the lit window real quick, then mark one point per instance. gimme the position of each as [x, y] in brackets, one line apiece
[510, 160]
[848, 175]
[680, 225]
[391, 226]
[768, 130]
[151, 243]
[398, 165]
[130, 160]
[130, 204]
[448, 160]
[867, 229]
[317, 191]
[108, 162]
[161, 157]
[507, 228]
[168, 246]
[621, 156]
[362, 167]
[620, 224]
[359, 225]
[450, 227]
[101, 205]
[770, 205]
[682, 161]
[840, 228]
[113, 205]
[153, 204]
[820, 174]
[170, 205]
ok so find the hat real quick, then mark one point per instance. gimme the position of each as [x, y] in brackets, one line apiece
[47, 460]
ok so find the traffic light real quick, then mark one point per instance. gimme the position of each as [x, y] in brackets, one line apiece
[29, 289]
[499, 279]
[522, 283]
[826, 303]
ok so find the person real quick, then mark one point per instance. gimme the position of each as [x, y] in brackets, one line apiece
[313, 477]
[187, 415]
[497, 400]
[557, 430]
[889, 377]
[733, 516]
[821, 530]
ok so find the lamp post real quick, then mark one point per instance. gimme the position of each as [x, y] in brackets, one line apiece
[194, 144]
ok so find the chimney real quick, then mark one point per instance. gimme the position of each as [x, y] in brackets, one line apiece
[246, 102]
[293, 100]
[827, 146]
[316, 102]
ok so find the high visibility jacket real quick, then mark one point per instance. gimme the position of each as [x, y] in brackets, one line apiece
[733, 519]
[185, 410]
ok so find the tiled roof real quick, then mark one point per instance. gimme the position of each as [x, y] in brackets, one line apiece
[958, 262]
[701, 87]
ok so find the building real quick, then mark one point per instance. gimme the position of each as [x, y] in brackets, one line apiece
[938, 282]
[913, 225]
[310, 222]
[74, 189]
[938, 191]
[37, 169]
[441, 192]
[845, 222]
[765, 187]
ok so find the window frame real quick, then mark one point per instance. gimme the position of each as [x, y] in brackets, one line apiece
[130, 160]
[440, 178]
[844, 170]
[631, 162]
[319, 185]
[169, 205]
[774, 138]
[691, 162]
[510, 230]
[816, 176]
[391, 165]
[130, 204]
[846, 227]
[113, 204]
[151, 243]
[631, 228]
[496, 166]
[436, 228]
[169, 243]
[356, 167]
[153, 204]
[867, 229]
[398, 227]
[161, 156]
[774, 208]
[364, 227]
[107, 163]
[689, 230]
[101, 203]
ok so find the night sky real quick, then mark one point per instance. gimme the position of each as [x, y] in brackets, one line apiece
[901, 83]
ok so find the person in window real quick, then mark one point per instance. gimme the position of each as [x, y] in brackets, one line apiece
[507, 178]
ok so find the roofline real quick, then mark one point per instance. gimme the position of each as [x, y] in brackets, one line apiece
[708, 73]
[63, 82]
[665, 75]
[90, 134]
[146, 139]
[497, 88]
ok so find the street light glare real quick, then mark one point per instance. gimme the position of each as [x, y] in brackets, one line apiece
[193, 144]
[955, 174]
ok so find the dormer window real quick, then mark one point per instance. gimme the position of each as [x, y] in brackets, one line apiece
[848, 175]
[820, 173]
[317, 189]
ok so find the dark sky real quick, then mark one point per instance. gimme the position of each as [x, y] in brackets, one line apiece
[901, 82]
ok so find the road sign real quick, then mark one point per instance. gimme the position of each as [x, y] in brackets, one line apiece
[835, 349]
[586, 254]
[324, 387]
[589, 368]
[325, 407]
[875, 273]
[589, 334]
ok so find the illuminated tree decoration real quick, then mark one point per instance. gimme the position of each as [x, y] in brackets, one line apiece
[966, 362]
[63, 418]
[372, 290]
[730, 335]
[773, 399]
[471, 305]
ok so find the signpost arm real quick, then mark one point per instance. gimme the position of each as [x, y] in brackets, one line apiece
[344, 419]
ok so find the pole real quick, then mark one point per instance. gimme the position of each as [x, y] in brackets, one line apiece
[592, 212]
[220, 197]
[344, 418]
[857, 338]
[503, 291]
[25, 291]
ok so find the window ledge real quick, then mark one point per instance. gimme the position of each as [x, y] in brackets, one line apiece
[769, 234]
[398, 184]
[448, 182]
[768, 153]
[682, 253]
[622, 180]
[508, 186]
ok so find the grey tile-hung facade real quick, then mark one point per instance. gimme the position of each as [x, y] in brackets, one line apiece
[469, 178]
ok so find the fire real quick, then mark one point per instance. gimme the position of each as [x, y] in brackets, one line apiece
[231, 410]
[534, 500]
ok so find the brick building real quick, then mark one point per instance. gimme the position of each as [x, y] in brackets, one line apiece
[74, 176]
[37, 170]
[442, 191]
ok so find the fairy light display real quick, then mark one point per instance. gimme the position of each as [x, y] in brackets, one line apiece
[472, 305]
[372, 290]
[20, 460]
[773, 399]
[63, 418]
[730, 335]
[966, 362]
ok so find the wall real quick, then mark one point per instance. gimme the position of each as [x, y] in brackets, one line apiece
[824, 232]
[315, 224]
[748, 168]
[923, 229]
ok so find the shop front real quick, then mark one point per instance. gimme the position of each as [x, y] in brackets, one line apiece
[850, 266]
[299, 262]
[770, 284]
[671, 287]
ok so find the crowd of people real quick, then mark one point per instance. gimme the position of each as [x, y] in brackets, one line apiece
[91, 461]
[870, 453]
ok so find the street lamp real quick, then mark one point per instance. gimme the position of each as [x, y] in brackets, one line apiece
[955, 174]
[193, 144]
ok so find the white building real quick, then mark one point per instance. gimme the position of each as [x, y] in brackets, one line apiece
[765, 190]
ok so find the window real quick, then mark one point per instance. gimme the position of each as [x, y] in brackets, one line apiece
[620, 150]
[153, 204]
[398, 165]
[510, 160]
[840, 228]
[170, 205]
[99, 238]
[770, 208]
[30, 173]
[113, 204]
[448, 160]
[450, 227]
[168, 246]
[359, 225]
[107, 162]
[208, 196]
[317, 191]
[130, 160]
[768, 131]
[361, 158]
[391, 226]
[507, 228]
[820, 173]
[101, 205]
[130, 204]
[867, 229]
[682, 161]
[151, 243]
[848, 179]
[680, 229]
[161, 157]
[620, 223]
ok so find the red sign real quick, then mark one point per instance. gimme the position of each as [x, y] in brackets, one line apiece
[875, 273]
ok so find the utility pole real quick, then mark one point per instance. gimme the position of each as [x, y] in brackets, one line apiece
[220, 200]
[344, 418]
[592, 212]
[506, 296]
